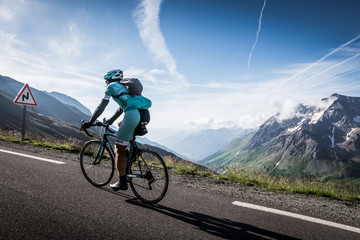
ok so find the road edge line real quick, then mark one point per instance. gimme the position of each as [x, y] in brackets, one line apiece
[297, 216]
[33, 157]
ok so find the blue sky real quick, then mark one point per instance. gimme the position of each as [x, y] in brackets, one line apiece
[192, 56]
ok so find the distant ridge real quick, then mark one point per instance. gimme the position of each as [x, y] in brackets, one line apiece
[47, 105]
[65, 99]
[196, 145]
[50, 118]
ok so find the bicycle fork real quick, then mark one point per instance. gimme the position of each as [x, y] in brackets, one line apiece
[99, 154]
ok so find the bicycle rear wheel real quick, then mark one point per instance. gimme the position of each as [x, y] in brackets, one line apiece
[97, 163]
[148, 176]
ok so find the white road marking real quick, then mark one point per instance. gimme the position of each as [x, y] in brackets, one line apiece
[33, 157]
[298, 216]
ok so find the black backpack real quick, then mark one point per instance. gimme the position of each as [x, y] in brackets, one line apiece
[133, 85]
[141, 130]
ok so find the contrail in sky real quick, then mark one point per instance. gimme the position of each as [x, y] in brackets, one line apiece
[334, 66]
[148, 22]
[307, 81]
[323, 58]
[257, 34]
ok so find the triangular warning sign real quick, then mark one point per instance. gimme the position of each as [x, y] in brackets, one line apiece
[25, 97]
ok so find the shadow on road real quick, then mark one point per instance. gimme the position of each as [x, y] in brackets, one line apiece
[219, 227]
[119, 193]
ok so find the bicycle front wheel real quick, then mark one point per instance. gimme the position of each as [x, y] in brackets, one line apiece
[148, 177]
[97, 163]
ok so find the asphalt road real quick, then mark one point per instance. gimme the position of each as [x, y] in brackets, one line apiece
[43, 200]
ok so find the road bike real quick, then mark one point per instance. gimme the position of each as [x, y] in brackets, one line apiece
[146, 171]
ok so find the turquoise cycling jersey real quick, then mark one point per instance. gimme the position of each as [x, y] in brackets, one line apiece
[126, 101]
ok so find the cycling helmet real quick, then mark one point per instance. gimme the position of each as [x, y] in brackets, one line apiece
[114, 75]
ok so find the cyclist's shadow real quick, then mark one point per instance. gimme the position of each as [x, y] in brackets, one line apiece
[119, 193]
[222, 228]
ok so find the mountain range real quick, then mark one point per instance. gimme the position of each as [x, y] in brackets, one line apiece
[65, 99]
[50, 118]
[198, 144]
[316, 140]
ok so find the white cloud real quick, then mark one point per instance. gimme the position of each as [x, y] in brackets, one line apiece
[148, 22]
[70, 45]
[207, 123]
[10, 9]
[286, 108]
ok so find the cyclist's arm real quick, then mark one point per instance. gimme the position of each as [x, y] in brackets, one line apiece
[100, 109]
[117, 114]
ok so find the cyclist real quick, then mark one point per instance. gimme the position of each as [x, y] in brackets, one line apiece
[128, 104]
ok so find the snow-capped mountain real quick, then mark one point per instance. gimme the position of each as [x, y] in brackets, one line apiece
[315, 140]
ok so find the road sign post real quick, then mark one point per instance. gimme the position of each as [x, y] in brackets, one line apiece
[23, 124]
[25, 98]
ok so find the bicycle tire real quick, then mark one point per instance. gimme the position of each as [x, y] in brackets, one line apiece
[101, 171]
[151, 180]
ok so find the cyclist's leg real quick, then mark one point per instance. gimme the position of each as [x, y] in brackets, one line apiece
[124, 135]
[120, 157]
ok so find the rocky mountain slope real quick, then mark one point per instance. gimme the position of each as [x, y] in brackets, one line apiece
[321, 141]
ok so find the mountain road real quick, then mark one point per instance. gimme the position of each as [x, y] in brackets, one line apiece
[42, 199]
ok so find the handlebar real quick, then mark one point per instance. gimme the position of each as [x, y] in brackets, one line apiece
[99, 124]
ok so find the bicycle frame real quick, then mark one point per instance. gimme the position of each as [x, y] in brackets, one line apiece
[104, 141]
[129, 153]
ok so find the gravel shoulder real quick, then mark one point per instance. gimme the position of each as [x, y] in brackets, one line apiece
[340, 211]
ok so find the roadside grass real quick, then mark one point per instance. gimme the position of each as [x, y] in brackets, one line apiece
[70, 145]
[305, 185]
[180, 168]
[185, 169]
[302, 185]
[189, 169]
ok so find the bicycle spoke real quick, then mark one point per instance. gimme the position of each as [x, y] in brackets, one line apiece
[153, 184]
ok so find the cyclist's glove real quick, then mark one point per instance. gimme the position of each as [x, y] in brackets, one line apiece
[86, 125]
